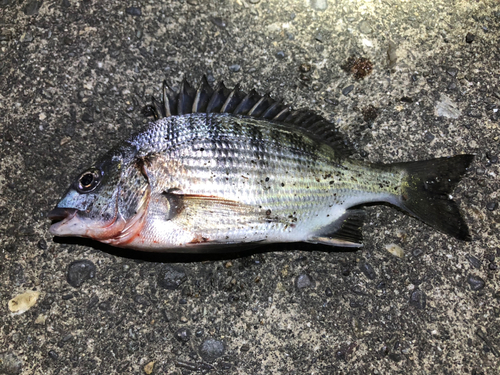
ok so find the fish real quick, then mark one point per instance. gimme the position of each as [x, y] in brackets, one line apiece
[222, 168]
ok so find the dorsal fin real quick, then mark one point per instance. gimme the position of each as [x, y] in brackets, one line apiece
[237, 102]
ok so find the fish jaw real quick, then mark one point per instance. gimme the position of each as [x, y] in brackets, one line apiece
[75, 224]
[69, 224]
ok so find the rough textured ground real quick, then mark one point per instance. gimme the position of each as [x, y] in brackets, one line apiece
[73, 78]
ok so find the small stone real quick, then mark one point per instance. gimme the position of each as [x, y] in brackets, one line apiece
[492, 158]
[333, 102]
[87, 117]
[23, 302]
[32, 7]
[199, 332]
[365, 27]
[490, 257]
[79, 271]
[235, 68]
[225, 365]
[141, 300]
[446, 108]
[474, 262]
[171, 277]
[42, 244]
[347, 90]
[318, 4]
[305, 68]
[452, 71]
[27, 37]
[492, 206]
[183, 335]
[418, 299]
[134, 11]
[395, 250]
[304, 281]
[41, 319]
[417, 252]
[395, 357]
[53, 355]
[211, 349]
[245, 348]
[219, 22]
[392, 54]
[105, 306]
[10, 364]
[149, 367]
[474, 113]
[328, 292]
[368, 271]
[476, 283]
[469, 38]
[429, 137]
[280, 55]
[317, 86]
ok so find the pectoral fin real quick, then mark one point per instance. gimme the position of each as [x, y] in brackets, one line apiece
[207, 206]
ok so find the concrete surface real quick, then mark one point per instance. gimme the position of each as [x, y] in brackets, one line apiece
[74, 76]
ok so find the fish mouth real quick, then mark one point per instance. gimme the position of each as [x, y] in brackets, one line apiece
[117, 231]
[61, 218]
[71, 222]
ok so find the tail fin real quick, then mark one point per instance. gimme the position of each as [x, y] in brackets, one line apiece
[425, 193]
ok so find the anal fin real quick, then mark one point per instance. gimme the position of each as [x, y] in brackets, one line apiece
[343, 232]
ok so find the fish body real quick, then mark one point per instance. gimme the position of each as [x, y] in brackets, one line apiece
[233, 169]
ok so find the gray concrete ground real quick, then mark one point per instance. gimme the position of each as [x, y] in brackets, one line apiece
[74, 76]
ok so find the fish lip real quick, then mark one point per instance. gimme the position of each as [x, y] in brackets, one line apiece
[58, 213]
[61, 216]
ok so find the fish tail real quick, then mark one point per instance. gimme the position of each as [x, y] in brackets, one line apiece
[425, 193]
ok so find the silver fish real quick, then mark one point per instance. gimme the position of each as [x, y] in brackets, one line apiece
[222, 167]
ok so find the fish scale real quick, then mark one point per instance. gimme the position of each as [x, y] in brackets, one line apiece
[303, 194]
[221, 167]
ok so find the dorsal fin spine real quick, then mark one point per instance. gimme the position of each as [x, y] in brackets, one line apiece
[166, 101]
[229, 98]
[236, 102]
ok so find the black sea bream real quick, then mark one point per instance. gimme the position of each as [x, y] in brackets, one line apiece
[222, 167]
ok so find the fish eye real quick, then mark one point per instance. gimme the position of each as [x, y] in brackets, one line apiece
[89, 180]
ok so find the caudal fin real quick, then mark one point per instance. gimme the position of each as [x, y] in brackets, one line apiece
[426, 189]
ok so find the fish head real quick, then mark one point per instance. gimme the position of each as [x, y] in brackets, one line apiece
[106, 202]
